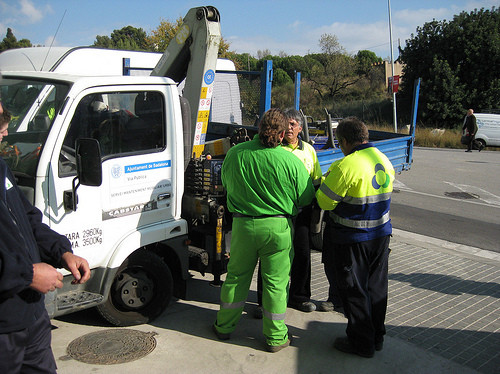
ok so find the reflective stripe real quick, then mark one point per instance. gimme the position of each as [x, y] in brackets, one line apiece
[273, 316]
[329, 193]
[367, 199]
[354, 200]
[359, 224]
[239, 304]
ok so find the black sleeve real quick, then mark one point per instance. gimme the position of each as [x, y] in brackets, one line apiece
[16, 271]
[51, 244]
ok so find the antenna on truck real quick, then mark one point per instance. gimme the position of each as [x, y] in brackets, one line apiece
[54, 38]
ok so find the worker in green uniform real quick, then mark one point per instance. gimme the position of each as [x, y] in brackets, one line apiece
[266, 185]
[300, 277]
[357, 193]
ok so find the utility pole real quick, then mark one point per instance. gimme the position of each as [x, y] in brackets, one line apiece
[392, 69]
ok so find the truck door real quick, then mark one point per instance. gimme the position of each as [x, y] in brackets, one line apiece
[136, 154]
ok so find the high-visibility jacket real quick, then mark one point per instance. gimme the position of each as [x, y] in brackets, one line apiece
[357, 192]
[306, 153]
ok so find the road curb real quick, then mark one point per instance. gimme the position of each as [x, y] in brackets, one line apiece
[461, 248]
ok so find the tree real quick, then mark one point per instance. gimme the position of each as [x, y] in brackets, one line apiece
[444, 95]
[470, 46]
[332, 71]
[128, 38]
[261, 55]
[160, 38]
[244, 61]
[10, 42]
[366, 59]
[330, 45]
[281, 78]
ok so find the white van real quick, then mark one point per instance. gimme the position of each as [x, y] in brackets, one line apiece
[91, 61]
[86, 61]
[488, 132]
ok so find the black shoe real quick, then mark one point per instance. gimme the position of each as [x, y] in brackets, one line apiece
[220, 335]
[258, 312]
[277, 348]
[468, 150]
[306, 306]
[344, 345]
[326, 306]
[379, 345]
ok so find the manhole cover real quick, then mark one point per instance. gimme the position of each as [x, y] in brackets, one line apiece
[461, 195]
[114, 346]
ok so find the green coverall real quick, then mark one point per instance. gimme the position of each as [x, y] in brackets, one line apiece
[265, 187]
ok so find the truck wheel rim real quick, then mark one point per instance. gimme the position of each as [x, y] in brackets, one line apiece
[136, 288]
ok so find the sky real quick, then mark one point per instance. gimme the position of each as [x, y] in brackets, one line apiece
[291, 27]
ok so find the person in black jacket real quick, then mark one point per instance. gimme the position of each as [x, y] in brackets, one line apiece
[471, 126]
[30, 253]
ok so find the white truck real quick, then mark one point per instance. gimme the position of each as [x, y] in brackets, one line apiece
[116, 164]
[91, 61]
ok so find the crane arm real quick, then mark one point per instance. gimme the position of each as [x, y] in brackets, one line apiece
[192, 55]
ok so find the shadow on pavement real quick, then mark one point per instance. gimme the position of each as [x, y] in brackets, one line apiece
[448, 284]
[474, 349]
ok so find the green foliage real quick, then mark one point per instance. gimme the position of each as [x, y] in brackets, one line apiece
[244, 61]
[444, 95]
[366, 59]
[127, 38]
[281, 78]
[467, 51]
[283, 96]
[10, 42]
[330, 75]
[160, 37]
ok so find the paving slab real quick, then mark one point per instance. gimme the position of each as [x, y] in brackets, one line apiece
[443, 317]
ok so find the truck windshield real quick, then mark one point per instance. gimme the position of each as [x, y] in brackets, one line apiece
[33, 106]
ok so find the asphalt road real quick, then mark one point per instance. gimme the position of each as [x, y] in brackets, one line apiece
[451, 195]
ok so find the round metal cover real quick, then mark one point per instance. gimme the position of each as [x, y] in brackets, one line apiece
[113, 346]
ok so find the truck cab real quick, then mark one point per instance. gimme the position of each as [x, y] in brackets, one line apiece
[138, 204]
[130, 222]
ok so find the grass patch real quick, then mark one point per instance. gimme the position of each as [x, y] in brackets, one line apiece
[426, 137]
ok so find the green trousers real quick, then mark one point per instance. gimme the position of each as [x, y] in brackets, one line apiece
[269, 239]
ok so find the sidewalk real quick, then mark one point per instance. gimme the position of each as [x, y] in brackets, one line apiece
[443, 317]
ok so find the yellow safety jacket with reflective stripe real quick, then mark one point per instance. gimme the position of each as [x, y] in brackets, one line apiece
[306, 153]
[357, 190]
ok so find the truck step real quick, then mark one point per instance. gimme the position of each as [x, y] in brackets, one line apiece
[77, 299]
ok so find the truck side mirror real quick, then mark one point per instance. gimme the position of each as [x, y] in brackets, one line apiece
[88, 162]
[88, 170]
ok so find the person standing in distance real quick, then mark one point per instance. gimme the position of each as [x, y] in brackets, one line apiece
[470, 125]
[30, 252]
[265, 187]
[357, 193]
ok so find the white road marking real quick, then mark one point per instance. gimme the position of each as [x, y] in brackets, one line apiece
[484, 195]
[491, 201]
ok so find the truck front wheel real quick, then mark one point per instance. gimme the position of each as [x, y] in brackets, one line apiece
[140, 292]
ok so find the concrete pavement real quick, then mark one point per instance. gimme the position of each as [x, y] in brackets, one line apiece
[443, 317]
